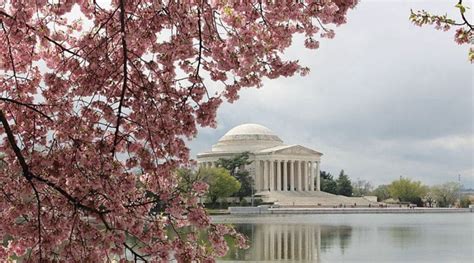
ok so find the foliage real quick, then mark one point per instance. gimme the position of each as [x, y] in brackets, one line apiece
[221, 183]
[381, 192]
[446, 194]
[465, 201]
[429, 199]
[344, 186]
[406, 190]
[97, 101]
[234, 164]
[236, 167]
[328, 184]
[361, 188]
[464, 31]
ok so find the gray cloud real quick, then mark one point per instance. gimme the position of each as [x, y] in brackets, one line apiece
[384, 98]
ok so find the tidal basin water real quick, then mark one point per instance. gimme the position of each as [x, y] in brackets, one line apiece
[354, 238]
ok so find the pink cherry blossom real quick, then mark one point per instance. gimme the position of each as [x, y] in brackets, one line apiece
[97, 102]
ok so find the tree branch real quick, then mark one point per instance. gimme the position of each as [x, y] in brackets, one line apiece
[16, 150]
[464, 17]
[28, 105]
[135, 254]
[124, 81]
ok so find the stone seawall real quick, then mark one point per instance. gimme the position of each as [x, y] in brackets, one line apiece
[388, 210]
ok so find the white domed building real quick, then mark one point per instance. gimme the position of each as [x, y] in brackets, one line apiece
[275, 167]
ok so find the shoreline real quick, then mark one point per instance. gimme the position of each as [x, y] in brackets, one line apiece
[308, 210]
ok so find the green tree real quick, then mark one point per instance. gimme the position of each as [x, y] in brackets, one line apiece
[328, 184]
[221, 183]
[406, 190]
[361, 188]
[446, 194]
[236, 167]
[381, 192]
[465, 201]
[344, 186]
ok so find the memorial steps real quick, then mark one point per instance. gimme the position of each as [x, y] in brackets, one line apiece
[312, 198]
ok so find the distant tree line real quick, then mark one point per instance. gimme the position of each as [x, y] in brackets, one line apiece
[403, 190]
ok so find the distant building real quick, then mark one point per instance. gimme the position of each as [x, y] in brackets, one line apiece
[275, 167]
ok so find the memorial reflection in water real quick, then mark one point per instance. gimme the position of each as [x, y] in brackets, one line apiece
[289, 242]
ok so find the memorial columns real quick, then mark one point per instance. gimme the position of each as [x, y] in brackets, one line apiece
[284, 175]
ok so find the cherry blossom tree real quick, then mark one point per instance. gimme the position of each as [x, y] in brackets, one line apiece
[463, 34]
[97, 101]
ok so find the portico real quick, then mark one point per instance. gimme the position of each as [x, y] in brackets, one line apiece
[275, 166]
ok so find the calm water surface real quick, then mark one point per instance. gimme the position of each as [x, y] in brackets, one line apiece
[355, 238]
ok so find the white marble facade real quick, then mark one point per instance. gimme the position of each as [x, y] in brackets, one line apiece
[275, 166]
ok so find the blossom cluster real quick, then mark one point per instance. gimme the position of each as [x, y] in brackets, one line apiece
[96, 111]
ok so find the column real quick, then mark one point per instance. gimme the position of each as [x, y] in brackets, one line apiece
[272, 175]
[318, 177]
[311, 178]
[285, 175]
[292, 175]
[265, 175]
[257, 176]
[278, 175]
[298, 175]
[304, 180]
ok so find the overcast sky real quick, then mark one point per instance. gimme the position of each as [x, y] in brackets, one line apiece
[384, 99]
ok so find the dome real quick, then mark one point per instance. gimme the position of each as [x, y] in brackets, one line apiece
[247, 137]
[249, 129]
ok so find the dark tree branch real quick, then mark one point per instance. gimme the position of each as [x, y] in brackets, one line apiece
[135, 254]
[16, 150]
[464, 17]
[27, 105]
[124, 83]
